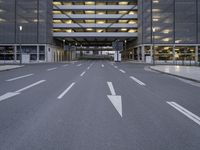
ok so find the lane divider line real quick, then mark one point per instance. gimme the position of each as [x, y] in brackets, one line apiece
[29, 86]
[90, 66]
[20, 77]
[65, 65]
[82, 74]
[65, 91]
[186, 112]
[79, 65]
[137, 81]
[50, 69]
[122, 71]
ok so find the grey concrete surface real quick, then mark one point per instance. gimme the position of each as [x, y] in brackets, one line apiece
[85, 119]
[187, 72]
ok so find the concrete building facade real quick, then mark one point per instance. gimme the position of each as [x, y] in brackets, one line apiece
[169, 31]
[156, 31]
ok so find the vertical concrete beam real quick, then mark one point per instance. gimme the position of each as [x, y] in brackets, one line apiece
[174, 53]
[37, 53]
[143, 53]
[151, 53]
[138, 53]
[196, 54]
[15, 53]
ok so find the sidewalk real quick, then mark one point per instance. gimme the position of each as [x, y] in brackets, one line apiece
[186, 72]
[9, 67]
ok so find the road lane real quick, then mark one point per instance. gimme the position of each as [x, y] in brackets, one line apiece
[85, 119]
[166, 86]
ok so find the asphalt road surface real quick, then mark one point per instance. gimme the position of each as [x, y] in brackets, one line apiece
[97, 105]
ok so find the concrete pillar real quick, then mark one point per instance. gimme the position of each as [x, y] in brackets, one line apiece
[174, 53]
[15, 53]
[138, 53]
[37, 53]
[196, 54]
[143, 53]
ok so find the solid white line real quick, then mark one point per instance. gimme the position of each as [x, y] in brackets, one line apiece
[138, 81]
[186, 112]
[79, 65]
[32, 85]
[65, 91]
[122, 71]
[82, 73]
[20, 77]
[112, 90]
[102, 65]
[50, 69]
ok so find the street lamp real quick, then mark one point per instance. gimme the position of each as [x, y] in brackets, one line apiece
[20, 30]
[153, 31]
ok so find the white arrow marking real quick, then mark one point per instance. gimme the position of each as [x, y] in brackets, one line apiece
[12, 94]
[8, 95]
[29, 86]
[116, 100]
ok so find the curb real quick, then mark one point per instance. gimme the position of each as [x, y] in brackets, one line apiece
[194, 80]
[12, 68]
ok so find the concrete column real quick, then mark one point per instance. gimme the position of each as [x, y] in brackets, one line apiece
[143, 53]
[196, 54]
[138, 53]
[37, 53]
[174, 53]
[151, 53]
[15, 53]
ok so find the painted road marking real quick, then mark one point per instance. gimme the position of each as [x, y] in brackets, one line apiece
[186, 112]
[65, 65]
[122, 71]
[115, 67]
[102, 65]
[79, 65]
[20, 77]
[8, 95]
[137, 81]
[65, 91]
[12, 94]
[90, 66]
[116, 100]
[50, 69]
[29, 86]
[82, 74]
[112, 90]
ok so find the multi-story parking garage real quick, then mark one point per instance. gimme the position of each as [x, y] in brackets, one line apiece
[152, 31]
